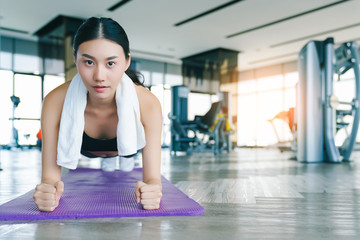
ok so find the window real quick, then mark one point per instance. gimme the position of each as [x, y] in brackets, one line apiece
[5, 60]
[247, 115]
[173, 80]
[28, 89]
[27, 63]
[51, 82]
[158, 91]
[6, 91]
[259, 101]
[147, 80]
[157, 78]
[198, 104]
[270, 83]
[270, 103]
[21, 58]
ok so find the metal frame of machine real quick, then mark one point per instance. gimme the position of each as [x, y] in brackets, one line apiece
[318, 120]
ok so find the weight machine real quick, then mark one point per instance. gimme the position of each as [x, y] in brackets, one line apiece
[318, 117]
[203, 134]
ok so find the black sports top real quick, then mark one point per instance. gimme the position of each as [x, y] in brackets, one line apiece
[91, 145]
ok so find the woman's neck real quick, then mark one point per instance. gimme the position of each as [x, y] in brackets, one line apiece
[101, 104]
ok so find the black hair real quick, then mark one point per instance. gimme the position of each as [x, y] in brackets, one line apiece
[105, 28]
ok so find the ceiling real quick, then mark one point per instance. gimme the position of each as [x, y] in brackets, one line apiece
[264, 32]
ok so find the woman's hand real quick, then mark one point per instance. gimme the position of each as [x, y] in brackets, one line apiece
[149, 195]
[47, 196]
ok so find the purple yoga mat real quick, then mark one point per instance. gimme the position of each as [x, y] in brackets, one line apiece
[92, 193]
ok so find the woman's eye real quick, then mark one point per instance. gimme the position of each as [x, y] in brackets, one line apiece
[89, 62]
[111, 64]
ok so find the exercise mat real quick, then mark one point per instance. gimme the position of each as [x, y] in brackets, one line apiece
[93, 193]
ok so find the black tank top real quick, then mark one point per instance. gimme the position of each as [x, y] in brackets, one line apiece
[90, 144]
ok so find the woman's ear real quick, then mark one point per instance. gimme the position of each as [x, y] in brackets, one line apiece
[128, 62]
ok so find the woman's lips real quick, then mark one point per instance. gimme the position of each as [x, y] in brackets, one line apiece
[100, 89]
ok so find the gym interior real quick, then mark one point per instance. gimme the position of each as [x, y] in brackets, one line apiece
[260, 113]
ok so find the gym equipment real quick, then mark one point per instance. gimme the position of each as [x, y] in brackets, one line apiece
[209, 126]
[180, 139]
[227, 129]
[179, 102]
[14, 141]
[318, 120]
[92, 193]
[14, 136]
[178, 114]
[203, 134]
[288, 118]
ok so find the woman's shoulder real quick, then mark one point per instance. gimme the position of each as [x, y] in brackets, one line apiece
[146, 97]
[52, 106]
[58, 93]
[149, 103]
[55, 99]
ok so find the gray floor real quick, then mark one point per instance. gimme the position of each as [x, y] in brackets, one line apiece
[248, 194]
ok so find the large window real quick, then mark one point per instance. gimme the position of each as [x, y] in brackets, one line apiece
[260, 100]
[27, 63]
[21, 72]
[23, 121]
[6, 60]
[6, 106]
[27, 114]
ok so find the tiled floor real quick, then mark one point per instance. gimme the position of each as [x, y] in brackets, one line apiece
[248, 194]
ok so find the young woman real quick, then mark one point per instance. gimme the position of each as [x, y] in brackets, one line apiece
[102, 56]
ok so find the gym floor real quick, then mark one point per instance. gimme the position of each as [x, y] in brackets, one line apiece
[247, 194]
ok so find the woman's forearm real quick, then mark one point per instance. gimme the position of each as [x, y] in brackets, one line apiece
[51, 172]
[153, 181]
[51, 175]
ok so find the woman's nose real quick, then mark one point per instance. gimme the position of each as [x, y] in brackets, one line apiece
[99, 74]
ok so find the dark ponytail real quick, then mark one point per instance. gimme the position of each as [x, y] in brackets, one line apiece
[135, 76]
[105, 28]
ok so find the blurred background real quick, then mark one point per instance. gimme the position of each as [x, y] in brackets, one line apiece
[246, 48]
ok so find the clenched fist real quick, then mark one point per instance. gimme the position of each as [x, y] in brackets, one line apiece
[149, 195]
[47, 196]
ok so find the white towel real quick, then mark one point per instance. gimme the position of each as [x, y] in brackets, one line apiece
[130, 132]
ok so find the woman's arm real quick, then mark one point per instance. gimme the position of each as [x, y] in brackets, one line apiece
[48, 193]
[149, 191]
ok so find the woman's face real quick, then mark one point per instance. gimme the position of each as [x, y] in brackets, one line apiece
[101, 64]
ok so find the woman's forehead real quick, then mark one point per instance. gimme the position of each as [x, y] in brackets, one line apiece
[100, 47]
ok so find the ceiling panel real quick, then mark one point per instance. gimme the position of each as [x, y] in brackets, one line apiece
[282, 27]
